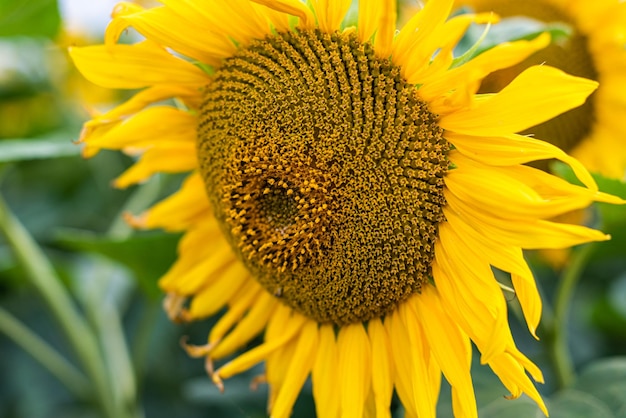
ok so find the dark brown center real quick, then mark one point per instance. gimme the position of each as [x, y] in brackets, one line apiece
[326, 171]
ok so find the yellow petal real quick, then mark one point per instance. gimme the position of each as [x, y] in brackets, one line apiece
[513, 150]
[292, 7]
[450, 347]
[324, 376]
[470, 293]
[215, 296]
[491, 191]
[419, 28]
[248, 296]
[330, 13]
[196, 245]
[531, 234]
[530, 367]
[506, 258]
[207, 272]
[386, 23]
[299, 368]
[382, 367]
[250, 326]
[135, 66]
[466, 78]
[116, 27]
[100, 127]
[276, 369]
[370, 13]
[354, 369]
[147, 128]
[234, 19]
[425, 394]
[403, 363]
[536, 95]
[512, 374]
[554, 187]
[292, 326]
[421, 66]
[529, 299]
[180, 210]
[162, 158]
[164, 27]
[190, 95]
[279, 20]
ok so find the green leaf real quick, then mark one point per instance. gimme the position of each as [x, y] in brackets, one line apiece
[509, 30]
[147, 255]
[607, 318]
[54, 146]
[523, 407]
[29, 18]
[605, 381]
[613, 249]
[571, 403]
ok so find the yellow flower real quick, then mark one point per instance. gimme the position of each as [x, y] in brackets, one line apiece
[593, 133]
[349, 192]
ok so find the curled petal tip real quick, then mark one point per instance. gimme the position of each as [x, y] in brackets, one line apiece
[208, 366]
[137, 222]
[258, 380]
[173, 305]
[218, 382]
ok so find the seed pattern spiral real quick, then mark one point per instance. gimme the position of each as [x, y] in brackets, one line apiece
[326, 171]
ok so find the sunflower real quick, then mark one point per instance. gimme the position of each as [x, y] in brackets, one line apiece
[593, 133]
[348, 192]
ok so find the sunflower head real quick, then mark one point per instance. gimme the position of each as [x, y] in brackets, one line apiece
[349, 192]
[320, 176]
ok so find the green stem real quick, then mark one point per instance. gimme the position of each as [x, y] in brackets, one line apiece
[41, 351]
[559, 352]
[46, 282]
[145, 329]
[104, 317]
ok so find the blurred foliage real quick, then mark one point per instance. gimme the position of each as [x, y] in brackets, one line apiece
[111, 272]
[35, 18]
[147, 255]
[28, 104]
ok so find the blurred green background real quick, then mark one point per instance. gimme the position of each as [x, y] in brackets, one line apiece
[110, 272]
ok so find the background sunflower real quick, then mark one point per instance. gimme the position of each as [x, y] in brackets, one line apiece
[111, 273]
[594, 48]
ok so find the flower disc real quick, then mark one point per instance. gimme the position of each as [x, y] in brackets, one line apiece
[325, 169]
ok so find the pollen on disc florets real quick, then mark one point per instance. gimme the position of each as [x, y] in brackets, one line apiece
[326, 172]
